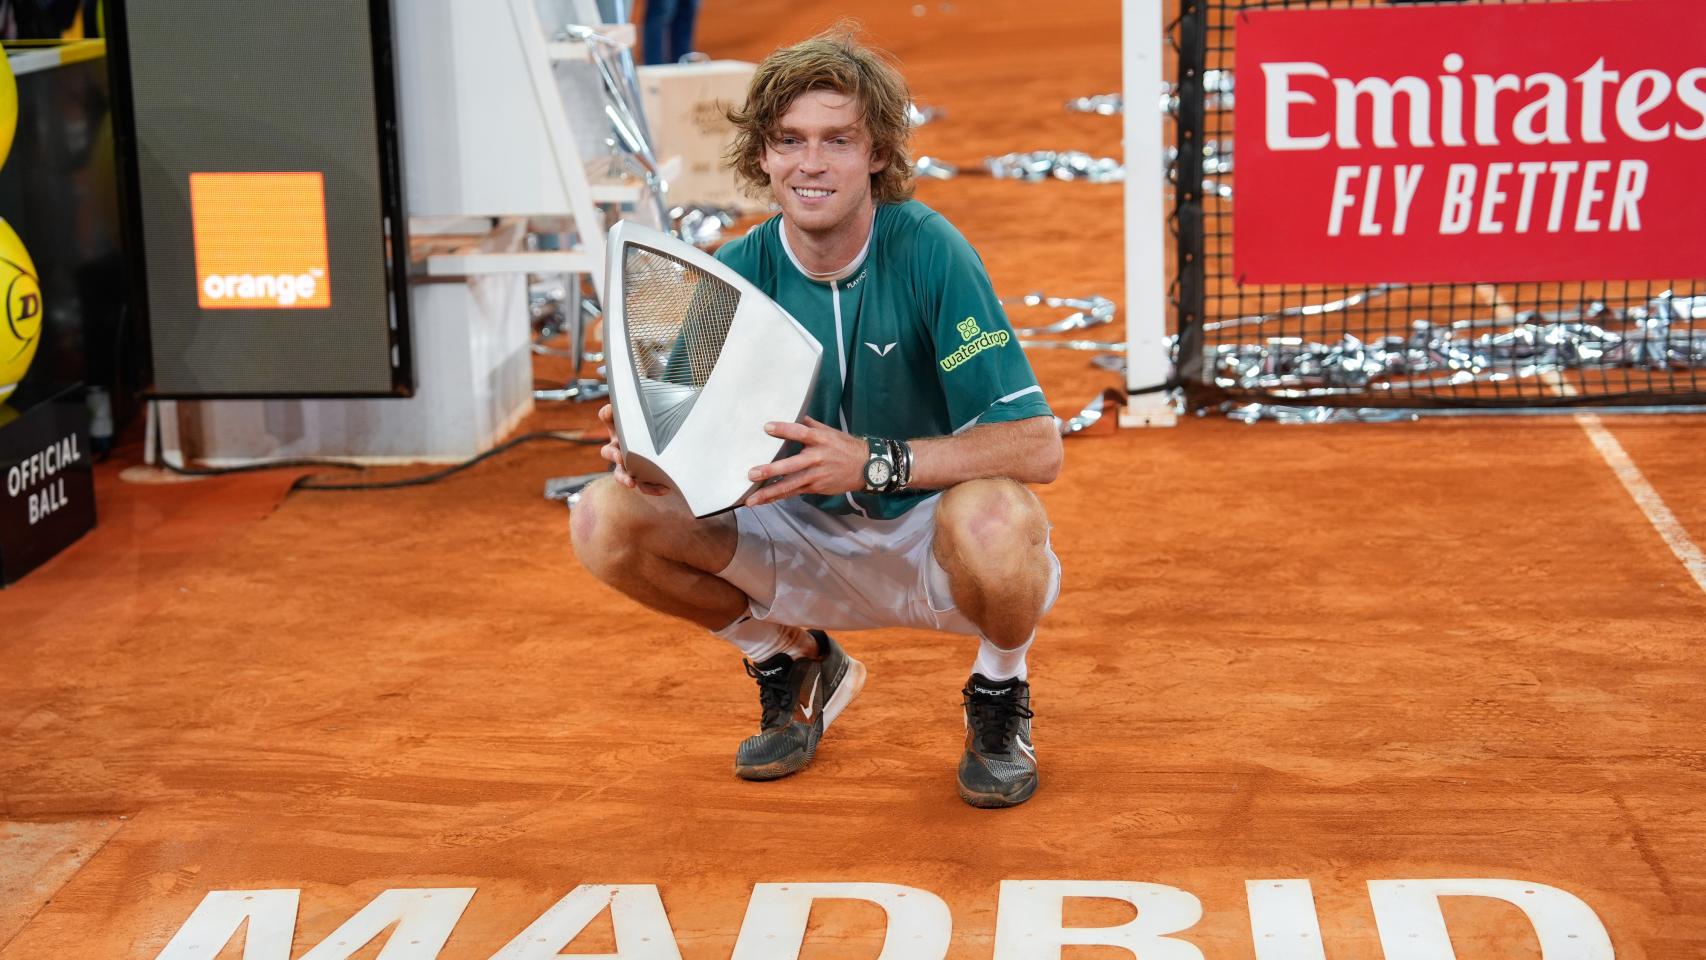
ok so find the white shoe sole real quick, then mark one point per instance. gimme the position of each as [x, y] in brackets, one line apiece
[851, 684]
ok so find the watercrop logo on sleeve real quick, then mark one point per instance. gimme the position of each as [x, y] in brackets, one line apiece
[976, 340]
[260, 241]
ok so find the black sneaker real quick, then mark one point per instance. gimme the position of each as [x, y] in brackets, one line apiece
[999, 768]
[800, 698]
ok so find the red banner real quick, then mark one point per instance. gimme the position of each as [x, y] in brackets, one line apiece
[1499, 142]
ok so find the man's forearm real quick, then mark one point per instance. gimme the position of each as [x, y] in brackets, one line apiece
[1028, 451]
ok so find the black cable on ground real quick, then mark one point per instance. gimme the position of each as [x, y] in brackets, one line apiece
[255, 467]
[1156, 388]
[307, 483]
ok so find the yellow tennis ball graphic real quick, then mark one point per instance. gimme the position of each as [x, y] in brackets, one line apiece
[20, 327]
[8, 107]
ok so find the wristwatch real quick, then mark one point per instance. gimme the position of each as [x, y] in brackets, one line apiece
[879, 467]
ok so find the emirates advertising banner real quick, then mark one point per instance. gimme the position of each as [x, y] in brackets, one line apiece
[1498, 142]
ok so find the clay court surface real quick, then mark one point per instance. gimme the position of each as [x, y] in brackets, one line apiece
[1447, 649]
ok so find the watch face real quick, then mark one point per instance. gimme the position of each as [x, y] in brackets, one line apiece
[877, 473]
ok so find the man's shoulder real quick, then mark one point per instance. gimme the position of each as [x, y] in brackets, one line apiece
[913, 227]
[745, 252]
[911, 217]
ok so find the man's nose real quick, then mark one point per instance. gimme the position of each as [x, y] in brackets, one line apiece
[815, 157]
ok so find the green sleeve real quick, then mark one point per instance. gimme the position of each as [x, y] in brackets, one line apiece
[984, 374]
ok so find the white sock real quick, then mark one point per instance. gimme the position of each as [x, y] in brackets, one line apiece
[994, 663]
[759, 640]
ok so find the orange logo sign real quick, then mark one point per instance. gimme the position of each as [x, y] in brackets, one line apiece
[260, 241]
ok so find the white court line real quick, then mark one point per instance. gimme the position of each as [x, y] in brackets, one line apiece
[1652, 505]
[1634, 481]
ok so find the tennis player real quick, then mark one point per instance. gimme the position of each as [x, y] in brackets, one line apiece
[906, 504]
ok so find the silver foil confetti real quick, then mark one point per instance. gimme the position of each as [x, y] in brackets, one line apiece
[1340, 305]
[1094, 310]
[1093, 412]
[1102, 104]
[1039, 165]
[1217, 92]
[1217, 95]
[1091, 311]
[1086, 346]
[1293, 414]
[1216, 162]
[1659, 335]
[1217, 188]
[1216, 158]
[1033, 167]
[935, 169]
[1313, 414]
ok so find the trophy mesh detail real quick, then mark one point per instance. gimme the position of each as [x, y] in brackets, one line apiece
[677, 318]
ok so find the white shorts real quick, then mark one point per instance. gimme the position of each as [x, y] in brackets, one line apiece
[803, 567]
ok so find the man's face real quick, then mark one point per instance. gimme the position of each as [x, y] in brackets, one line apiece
[819, 163]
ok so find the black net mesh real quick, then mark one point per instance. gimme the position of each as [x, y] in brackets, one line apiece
[1418, 345]
[676, 318]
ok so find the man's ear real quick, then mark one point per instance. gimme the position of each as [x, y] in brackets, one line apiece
[879, 162]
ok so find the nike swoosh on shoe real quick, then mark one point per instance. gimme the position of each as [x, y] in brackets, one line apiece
[808, 703]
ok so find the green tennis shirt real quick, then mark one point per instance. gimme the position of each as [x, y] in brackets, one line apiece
[915, 343]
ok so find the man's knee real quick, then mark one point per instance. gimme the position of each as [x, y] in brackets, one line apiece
[992, 519]
[612, 526]
[610, 521]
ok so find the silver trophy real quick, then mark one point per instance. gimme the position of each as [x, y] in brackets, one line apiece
[700, 360]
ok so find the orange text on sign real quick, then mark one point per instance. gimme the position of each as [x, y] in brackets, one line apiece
[260, 241]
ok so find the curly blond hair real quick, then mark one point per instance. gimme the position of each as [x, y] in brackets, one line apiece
[833, 60]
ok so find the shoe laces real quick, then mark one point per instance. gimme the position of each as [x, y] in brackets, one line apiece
[775, 694]
[994, 719]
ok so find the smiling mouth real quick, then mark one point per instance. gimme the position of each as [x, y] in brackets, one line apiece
[812, 193]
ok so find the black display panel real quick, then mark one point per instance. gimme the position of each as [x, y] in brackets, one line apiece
[265, 222]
